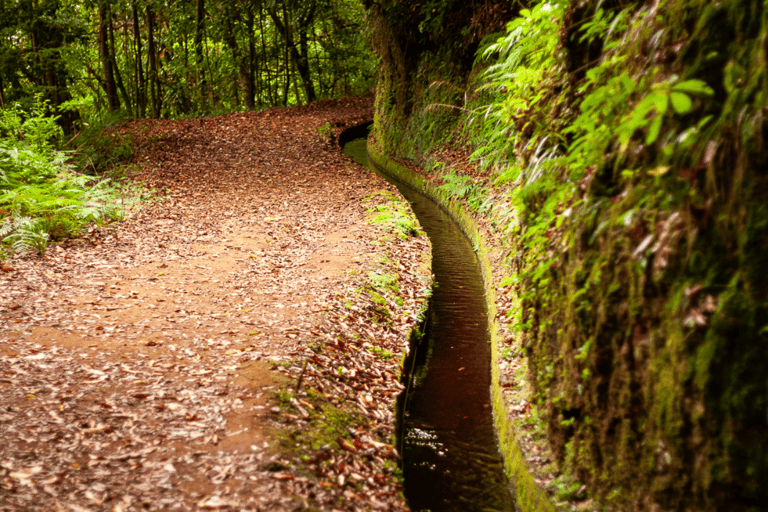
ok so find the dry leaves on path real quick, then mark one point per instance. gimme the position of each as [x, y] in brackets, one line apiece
[141, 366]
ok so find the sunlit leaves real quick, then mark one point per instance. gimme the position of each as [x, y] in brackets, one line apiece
[525, 67]
[40, 196]
[609, 111]
[680, 102]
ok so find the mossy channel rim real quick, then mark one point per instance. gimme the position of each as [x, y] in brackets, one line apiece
[530, 496]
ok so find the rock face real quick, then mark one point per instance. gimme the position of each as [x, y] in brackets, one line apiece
[620, 168]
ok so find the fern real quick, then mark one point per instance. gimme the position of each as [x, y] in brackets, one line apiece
[519, 86]
[23, 233]
[41, 198]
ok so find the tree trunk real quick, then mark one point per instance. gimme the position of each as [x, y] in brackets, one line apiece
[300, 58]
[323, 94]
[108, 80]
[199, 29]
[115, 68]
[250, 88]
[141, 84]
[185, 99]
[154, 80]
[296, 91]
[230, 38]
[264, 63]
[288, 42]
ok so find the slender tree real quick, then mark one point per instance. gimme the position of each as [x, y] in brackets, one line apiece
[108, 77]
[140, 81]
[116, 69]
[154, 79]
[299, 55]
[199, 56]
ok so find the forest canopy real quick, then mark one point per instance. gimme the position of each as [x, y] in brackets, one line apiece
[71, 70]
[170, 59]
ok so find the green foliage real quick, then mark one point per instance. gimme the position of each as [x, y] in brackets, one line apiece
[326, 131]
[429, 129]
[610, 240]
[36, 39]
[624, 155]
[383, 281]
[520, 82]
[565, 489]
[100, 149]
[22, 233]
[238, 56]
[41, 198]
[381, 353]
[463, 187]
[610, 113]
[33, 127]
[395, 216]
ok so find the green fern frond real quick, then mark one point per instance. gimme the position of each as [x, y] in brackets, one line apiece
[23, 233]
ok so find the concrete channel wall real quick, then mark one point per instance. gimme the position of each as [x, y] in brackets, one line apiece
[530, 496]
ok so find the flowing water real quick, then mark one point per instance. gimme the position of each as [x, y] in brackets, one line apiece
[451, 461]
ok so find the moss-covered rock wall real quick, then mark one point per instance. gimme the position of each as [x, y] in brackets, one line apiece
[616, 153]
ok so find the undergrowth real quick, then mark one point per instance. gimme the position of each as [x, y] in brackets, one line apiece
[42, 198]
[100, 147]
[394, 215]
[621, 156]
[609, 141]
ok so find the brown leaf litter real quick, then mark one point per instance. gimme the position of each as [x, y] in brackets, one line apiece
[176, 361]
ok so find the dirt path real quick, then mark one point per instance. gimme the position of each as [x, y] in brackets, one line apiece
[232, 346]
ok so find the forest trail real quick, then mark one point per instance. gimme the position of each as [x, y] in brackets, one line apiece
[140, 366]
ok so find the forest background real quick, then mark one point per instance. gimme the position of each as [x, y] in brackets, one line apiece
[70, 69]
[171, 59]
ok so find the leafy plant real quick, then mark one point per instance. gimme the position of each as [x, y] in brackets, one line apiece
[394, 215]
[326, 131]
[23, 233]
[41, 197]
[101, 151]
[520, 83]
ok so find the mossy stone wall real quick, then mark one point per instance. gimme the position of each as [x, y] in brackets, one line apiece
[643, 306]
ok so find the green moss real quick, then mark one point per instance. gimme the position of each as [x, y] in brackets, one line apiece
[636, 237]
[529, 495]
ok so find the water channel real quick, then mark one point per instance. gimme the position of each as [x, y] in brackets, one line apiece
[450, 456]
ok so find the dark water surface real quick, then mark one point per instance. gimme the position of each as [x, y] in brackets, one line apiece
[451, 461]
